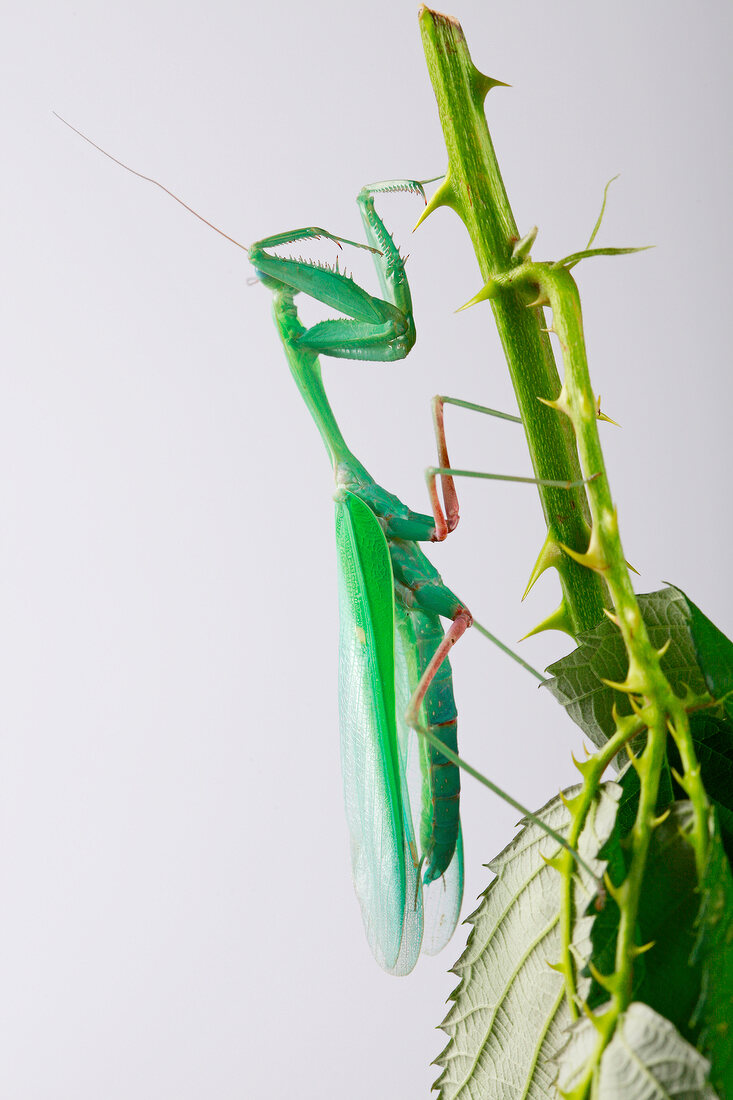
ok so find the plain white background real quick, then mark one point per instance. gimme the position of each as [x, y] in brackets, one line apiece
[177, 916]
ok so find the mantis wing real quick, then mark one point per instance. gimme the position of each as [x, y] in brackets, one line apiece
[443, 897]
[383, 853]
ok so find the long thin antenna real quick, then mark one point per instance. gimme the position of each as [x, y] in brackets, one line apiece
[149, 179]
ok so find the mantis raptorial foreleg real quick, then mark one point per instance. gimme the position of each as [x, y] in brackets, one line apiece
[374, 328]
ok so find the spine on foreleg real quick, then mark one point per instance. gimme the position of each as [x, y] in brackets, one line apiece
[441, 783]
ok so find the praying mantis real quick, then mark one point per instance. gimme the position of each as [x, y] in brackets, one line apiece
[390, 600]
[394, 673]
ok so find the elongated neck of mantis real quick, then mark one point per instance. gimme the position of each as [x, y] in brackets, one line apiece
[306, 371]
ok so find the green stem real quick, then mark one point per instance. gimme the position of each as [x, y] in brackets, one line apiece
[473, 187]
[657, 708]
[583, 540]
[592, 770]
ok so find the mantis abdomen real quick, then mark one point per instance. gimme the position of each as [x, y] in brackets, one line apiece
[439, 819]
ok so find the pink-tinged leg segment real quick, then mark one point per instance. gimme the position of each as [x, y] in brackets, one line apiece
[447, 521]
[456, 630]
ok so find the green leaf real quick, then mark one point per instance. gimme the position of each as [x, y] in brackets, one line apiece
[664, 977]
[713, 741]
[605, 926]
[576, 679]
[667, 910]
[713, 953]
[647, 1059]
[714, 653]
[713, 738]
[510, 1014]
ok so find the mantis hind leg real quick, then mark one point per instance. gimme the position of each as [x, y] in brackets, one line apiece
[433, 704]
[422, 598]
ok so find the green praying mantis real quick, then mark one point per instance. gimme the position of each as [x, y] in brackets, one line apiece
[392, 652]
[394, 673]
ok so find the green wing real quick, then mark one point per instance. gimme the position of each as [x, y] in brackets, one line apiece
[383, 853]
[441, 898]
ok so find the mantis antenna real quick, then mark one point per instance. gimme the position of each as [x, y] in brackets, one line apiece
[149, 179]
